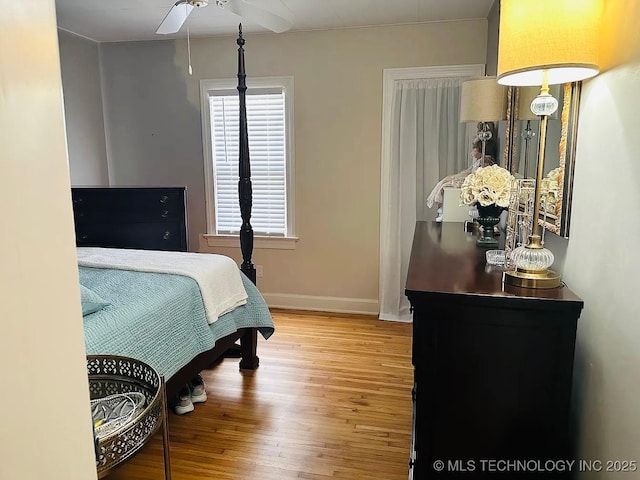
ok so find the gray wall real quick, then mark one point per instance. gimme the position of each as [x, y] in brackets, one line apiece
[601, 266]
[80, 67]
[154, 131]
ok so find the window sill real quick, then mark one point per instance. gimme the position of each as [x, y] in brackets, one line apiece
[233, 241]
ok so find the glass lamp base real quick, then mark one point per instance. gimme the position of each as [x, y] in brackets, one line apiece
[528, 279]
[532, 264]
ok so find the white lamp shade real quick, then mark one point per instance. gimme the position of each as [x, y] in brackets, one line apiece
[483, 100]
[556, 38]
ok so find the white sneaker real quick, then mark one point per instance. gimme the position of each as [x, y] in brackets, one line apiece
[184, 404]
[198, 390]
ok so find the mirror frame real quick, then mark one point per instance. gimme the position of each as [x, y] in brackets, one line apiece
[567, 150]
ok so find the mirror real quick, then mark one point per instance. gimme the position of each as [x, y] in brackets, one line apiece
[521, 149]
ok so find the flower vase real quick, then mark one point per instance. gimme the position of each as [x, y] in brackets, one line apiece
[488, 217]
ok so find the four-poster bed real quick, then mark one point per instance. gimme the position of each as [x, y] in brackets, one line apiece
[155, 219]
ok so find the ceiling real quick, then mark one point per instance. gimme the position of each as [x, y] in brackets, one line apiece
[127, 20]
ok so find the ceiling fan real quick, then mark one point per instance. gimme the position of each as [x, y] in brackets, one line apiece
[271, 14]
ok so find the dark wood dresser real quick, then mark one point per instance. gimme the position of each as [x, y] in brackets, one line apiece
[492, 364]
[131, 217]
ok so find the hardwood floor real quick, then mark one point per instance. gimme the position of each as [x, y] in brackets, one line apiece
[330, 400]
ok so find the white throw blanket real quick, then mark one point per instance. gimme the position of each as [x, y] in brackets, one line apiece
[217, 276]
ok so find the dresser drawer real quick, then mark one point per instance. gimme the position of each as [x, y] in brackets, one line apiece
[148, 236]
[128, 205]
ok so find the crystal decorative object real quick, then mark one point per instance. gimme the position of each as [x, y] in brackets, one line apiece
[532, 259]
[528, 133]
[495, 257]
[520, 218]
[544, 104]
[485, 134]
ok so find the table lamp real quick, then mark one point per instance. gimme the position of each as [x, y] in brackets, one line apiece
[483, 100]
[542, 43]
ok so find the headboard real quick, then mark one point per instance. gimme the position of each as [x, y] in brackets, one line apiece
[149, 218]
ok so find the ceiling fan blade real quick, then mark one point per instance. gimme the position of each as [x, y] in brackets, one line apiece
[175, 18]
[278, 18]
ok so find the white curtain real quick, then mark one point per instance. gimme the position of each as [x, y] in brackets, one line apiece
[427, 143]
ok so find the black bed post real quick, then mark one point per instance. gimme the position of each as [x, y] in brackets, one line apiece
[244, 184]
[249, 339]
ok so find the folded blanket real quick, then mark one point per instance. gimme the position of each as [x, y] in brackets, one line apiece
[217, 276]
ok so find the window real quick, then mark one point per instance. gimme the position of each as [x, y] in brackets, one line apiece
[270, 151]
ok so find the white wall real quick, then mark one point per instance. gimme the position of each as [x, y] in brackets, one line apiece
[45, 432]
[80, 65]
[153, 116]
[600, 258]
[601, 266]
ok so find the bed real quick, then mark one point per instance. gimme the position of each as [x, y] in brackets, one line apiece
[162, 318]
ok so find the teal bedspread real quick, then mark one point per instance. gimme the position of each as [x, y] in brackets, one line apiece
[160, 319]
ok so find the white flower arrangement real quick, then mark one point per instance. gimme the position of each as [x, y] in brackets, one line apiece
[487, 186]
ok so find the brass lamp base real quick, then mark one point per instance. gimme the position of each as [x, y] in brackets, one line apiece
[528, 279]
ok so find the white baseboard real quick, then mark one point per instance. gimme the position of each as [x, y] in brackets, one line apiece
[397, 318]
[288, 301]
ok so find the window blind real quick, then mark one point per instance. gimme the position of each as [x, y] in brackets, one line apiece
[267, 140]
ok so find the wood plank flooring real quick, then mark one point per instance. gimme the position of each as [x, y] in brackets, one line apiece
[330, 400]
